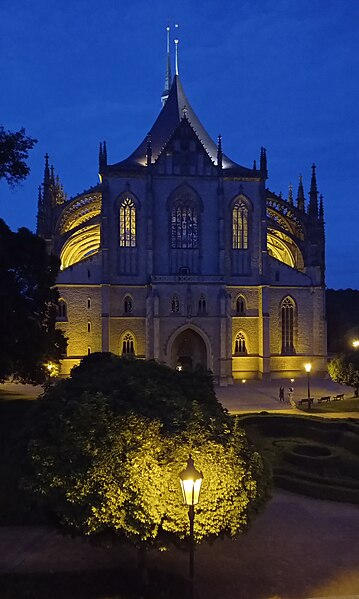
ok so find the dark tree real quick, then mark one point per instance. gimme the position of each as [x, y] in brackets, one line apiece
[28, 304]
[345, 370]
[107, 464]
[14, 151]
[342, 318]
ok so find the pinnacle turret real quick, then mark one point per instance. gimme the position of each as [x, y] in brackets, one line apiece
[263, 164]
[313, 195]
[219, 153]
[290, 194]
[300, 196]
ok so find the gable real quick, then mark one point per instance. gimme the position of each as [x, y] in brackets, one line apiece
[184, 154]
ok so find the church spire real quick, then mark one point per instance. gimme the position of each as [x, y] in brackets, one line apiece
[290, 194]
[176, 57]
[313, 195]
[300, 196]
[263, 164]
[321, 208]
[219, 152]
[168, 76]
[47, 176]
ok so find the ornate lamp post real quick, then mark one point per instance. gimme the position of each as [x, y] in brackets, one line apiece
[191, 481]
[308, 368]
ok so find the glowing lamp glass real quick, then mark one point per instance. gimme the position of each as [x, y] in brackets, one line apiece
[356, 343]
[308, 367]
[191, 481]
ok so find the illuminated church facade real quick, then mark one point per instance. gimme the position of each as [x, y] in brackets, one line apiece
[184, 256]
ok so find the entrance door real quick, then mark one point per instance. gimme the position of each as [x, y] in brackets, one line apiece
[189, 351]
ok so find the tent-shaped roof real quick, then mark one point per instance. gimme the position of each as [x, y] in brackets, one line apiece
[175, 109]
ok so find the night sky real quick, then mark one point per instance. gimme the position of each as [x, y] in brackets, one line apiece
[282, 74]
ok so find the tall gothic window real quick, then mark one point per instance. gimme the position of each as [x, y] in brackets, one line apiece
[128, 345]
[184, 225]
[128, 224]
[202, 308]
[62, 310]
[175, 305]
[240, 226]
[287, 317]
[128, 305]
[240, 344]
[240, 305]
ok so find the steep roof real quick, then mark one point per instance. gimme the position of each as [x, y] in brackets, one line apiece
[175, 109]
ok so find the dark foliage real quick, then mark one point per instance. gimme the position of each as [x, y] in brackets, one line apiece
[342, 318]
[28, 303]
[145, 387]
[14, 151]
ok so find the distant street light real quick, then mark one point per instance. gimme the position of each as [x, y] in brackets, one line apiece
[356, 343]
[308, 368]
[191, 481]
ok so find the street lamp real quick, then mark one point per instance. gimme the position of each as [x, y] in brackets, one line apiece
[191, 481]
[308, 368]
[356, 343]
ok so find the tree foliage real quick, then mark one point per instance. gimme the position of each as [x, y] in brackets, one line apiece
[342, 318]
[345, 369]
[110, 470]
[14, 151]
[28, 303]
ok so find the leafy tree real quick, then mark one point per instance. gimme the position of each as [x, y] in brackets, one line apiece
[111, 472]
[28, 302]
[342, 318]
[14, 151]
[345, 370]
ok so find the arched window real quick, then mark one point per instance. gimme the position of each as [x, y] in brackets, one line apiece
[202, 308]
[287, 317]
[128, 305]
[88, 350]
[240, 226]
[62, 310]
[240, 305]
[128, 224]
[88, 302]
[184, 225]
[128, 345]
[175, 305]
[240, 344]
[89, 327]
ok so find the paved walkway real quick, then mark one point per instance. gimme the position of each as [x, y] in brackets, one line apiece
[297, 548]
[257, 396]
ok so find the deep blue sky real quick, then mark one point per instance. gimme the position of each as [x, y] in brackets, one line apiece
[277, 73]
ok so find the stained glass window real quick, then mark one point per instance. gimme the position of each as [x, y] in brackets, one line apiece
[240, 226]
[128, 224]
[184, 225]
[287, 314]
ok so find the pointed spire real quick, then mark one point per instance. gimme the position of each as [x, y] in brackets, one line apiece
[313, 194]
[300, 196]
[176, 55]
[290, 194]
[263, 164]
[168, 76]
[321, 208]
[52, 175]
[254, 165]
[102, 156]
[149, 150]
[105, 153]
[219, 152]
[47, 170]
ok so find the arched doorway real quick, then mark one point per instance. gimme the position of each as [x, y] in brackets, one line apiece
[188, 351]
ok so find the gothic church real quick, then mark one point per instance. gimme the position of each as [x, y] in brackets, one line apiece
[184, 256]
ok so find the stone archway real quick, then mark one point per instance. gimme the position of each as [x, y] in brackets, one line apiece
[189, 351]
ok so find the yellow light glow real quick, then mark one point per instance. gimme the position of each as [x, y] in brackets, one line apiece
[80, 245]
[356, 343]
[292, 380]
[308, 367]
[191, 482]
[244, 380]
[52, 368]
